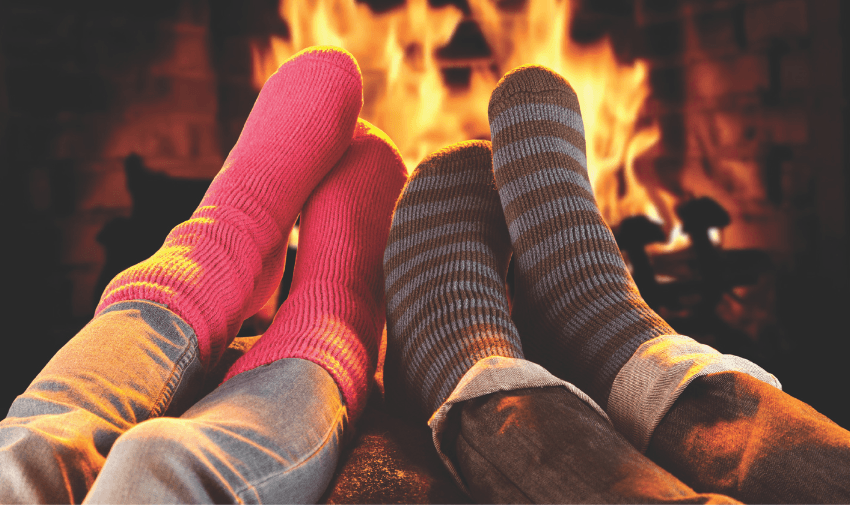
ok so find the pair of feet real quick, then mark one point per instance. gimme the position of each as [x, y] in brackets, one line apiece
[464, 211]
[302, 150]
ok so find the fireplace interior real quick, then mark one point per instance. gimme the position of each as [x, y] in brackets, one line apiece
[719, 146]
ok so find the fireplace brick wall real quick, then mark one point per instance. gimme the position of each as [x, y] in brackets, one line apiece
[82, 102]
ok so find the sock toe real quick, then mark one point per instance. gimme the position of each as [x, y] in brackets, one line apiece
[529, 80]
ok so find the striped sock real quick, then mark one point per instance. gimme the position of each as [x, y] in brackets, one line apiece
[334, 314]
[445, 265]
[577, 307]
[221, 265]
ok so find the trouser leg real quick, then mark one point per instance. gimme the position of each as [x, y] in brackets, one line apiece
[730, 433]
[545, 445]
[272, 434]
[134, 361]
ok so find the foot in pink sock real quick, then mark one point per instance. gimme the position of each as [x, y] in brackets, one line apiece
[220, 266]
[335, 311]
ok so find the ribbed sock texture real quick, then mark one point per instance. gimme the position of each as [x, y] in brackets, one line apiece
[334, 314]
[220, 266]
[577, 307]
[445, 267]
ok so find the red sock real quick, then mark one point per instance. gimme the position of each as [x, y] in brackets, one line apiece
[334, 314]
[220, 266]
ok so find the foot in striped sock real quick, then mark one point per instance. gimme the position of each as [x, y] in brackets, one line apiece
[334, 314]
[577, 307]
[220, 266]
[445, 266]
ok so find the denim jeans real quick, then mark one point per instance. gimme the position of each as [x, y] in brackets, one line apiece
[728, 437]
[115, 417]
[736, 435]
[546, 445]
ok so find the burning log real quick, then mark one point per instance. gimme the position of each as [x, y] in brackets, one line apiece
[698, 278]
[633, 235]
[698, 217]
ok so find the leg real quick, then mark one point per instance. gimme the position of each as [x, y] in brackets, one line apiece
[269, 435]
[458, 354]
[580, 312]
[220, 266]
[134, 361]
[545, 445]
[271, 432]
[213, 271]
[574, 293]
[733, 434]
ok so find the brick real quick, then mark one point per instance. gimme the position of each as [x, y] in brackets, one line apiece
[668, 84]
[237, 100]
[164, 136]
[673, 130]
[103, 190]
[660, 6]
[189, 54]
[787, 126]
[166, 93]
[663, 39]
[186, 168]
[725, 134]
[46, 89]
[744, 74]
[62, 186]
[758, 227]
[798, 183]
[79, 241]
[736, 129]
[39, 185]
[81, 138]
[83, 281]
[719, 30]
[776, 19]
[794, 71]
[732, 182]
[235, 57]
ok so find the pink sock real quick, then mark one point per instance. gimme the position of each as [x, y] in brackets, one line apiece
[220, 266]
[335, 311]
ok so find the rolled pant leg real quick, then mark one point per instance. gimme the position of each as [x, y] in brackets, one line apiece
[733, 434]
[272, 434]
[135, 361]
[545, 445]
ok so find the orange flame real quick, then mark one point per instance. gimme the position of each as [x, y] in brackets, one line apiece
[404, 92]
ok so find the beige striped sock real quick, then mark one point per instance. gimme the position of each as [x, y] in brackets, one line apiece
[577, 308]
[444, 267]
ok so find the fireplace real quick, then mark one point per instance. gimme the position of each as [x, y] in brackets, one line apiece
[695, 110]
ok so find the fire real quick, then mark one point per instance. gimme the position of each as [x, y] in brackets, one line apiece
[403, 90]
[405, 94]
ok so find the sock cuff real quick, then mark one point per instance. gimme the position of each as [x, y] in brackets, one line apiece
[345, 357]
[657, 373]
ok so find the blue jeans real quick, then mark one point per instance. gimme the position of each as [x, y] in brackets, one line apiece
[115, 417]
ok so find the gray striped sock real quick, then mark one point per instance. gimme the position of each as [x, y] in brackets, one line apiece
[444, 269]
[577, 307]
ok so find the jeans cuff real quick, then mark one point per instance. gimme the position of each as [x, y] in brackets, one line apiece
[489, 375]
[657, 373]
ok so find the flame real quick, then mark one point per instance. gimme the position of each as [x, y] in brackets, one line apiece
[405, 95]
[403, 86]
